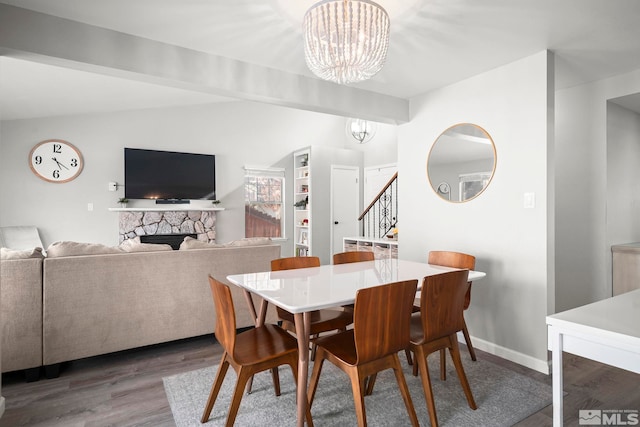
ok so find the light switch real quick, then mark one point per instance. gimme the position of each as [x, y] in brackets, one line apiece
[90, 207]
[529, 200]
[113, 186]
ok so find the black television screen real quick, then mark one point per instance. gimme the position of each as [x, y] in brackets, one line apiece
[160, 175]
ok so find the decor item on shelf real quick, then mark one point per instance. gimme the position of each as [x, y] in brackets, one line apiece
[302, 204]
[305, 160]
[346, 41]
[361, 130]
[123, 202]
[215, 202]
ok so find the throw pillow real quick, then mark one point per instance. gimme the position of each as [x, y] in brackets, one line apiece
[6, 253]
[191, 243]
[134, 245]
[60, 249]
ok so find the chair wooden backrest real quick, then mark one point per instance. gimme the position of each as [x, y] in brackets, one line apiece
[454, 260]
[225, 315]
[382, 319]
[294, 262]
[353, 256]
[442, 303]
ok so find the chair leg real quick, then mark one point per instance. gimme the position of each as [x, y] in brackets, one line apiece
[455, 355]
[467, 339]
[314, 349]
[275, 375]
[371, 381]
[358, 387]
[421, 361]
[244, 375]
[404, 390]
[407, 353]
[443, 365]
[215, 388]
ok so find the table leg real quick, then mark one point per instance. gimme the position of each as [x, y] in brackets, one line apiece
[556, 373]
[303, 326]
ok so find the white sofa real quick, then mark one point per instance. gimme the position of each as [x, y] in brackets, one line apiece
[106, 302]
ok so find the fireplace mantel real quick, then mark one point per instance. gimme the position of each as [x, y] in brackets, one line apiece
[168, 208]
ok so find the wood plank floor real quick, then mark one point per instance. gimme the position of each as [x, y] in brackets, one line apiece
[125, 388]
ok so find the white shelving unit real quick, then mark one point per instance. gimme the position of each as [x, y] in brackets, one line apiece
[302, 193]
[382, 248]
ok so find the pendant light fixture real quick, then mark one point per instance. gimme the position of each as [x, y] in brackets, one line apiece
[346, 41]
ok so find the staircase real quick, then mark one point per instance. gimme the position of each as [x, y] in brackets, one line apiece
[381, 215]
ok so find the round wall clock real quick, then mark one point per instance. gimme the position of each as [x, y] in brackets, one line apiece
[55, 160]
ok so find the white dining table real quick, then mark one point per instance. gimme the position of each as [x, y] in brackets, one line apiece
[607, 331]
[304, 290]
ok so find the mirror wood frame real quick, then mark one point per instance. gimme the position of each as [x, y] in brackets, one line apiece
[450, 132]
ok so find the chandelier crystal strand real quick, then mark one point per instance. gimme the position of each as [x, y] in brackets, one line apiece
[346, 41]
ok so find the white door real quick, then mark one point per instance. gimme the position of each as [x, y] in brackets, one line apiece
[345, 204]
[375, 178]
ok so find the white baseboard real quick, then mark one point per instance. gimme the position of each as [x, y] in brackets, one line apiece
[1, 406]
[511, 355]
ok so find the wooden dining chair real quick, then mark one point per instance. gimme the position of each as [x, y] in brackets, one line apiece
[349, 257]
[373, 343]
[325, 320]
[252, 351]
[455, 260]
[353, 256]
[441, 309]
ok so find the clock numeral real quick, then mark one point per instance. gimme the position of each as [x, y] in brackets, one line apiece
[38, 160]
[74, 163]
[57, 148]
[56, 174]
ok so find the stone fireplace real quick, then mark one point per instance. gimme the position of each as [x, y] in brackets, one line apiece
[155, 222]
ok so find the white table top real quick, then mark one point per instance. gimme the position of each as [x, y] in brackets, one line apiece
[617, 317]
[306, 289]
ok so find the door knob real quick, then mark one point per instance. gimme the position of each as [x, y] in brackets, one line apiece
[335, 222]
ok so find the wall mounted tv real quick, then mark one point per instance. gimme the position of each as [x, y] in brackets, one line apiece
[168, 176]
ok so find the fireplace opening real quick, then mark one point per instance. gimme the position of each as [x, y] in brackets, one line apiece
[168, 239]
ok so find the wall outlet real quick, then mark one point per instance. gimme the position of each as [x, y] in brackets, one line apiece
[90, 207]
[113, 186]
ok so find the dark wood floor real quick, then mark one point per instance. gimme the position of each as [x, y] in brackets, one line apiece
[125, 388]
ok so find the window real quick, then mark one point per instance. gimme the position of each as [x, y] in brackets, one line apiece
[264, 202]
[471, 184]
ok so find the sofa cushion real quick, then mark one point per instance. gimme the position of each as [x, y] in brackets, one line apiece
[250, 241]
[60, 249]
[191, 243]
[6, 253]
[134, 245]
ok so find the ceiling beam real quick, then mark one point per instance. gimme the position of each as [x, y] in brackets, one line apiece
[43, 38]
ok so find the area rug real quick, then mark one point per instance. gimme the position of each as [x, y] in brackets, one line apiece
[503, 398]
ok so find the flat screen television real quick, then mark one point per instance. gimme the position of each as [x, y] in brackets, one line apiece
[168, 175]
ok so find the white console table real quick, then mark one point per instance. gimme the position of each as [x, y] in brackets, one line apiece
[607, 331]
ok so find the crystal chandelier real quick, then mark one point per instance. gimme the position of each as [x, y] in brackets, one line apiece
[346, 41]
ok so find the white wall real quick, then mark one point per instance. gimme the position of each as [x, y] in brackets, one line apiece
[508, 309]
[583, 272]
[623, 175]
[238, 133]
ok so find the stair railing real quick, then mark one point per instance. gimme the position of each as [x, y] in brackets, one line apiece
[381, 216]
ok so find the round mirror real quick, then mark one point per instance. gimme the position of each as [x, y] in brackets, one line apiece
[461, 162]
